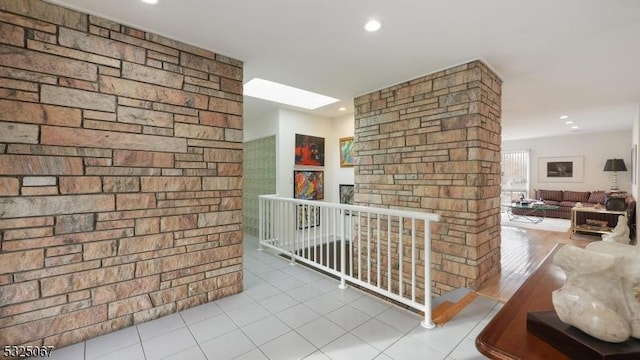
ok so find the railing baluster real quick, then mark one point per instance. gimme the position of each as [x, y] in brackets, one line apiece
[316, 210]
[264, 221]
[427, 322]
[314, 257]
[322, 243]
[389, 253]
[261, 214]
[359, 231]
[369, 248]
[413, 259]
[336, 242]
[400, 260]
[272, 219]
[308, 228]
[301, 239]
[343, 265]
[331, 239]
[283, 236]
[312, 229]
[292, 209]
[378, 283]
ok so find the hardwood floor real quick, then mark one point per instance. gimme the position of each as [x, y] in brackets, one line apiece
[522, 252]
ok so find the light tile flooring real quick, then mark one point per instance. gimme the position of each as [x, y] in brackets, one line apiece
[291, 312]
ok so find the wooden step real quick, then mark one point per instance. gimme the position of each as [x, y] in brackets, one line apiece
[441, 309]
[448, 310]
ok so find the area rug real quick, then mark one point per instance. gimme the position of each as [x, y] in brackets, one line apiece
[548, 224]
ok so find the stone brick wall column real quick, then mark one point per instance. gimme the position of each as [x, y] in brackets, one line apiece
[433, 144]
[120, 175]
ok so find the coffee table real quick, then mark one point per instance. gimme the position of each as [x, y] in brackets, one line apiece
[532, 212]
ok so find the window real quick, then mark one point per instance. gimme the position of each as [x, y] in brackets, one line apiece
[515, 175]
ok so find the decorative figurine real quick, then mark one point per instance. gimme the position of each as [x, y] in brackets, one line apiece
[600, 296]
[620, 233]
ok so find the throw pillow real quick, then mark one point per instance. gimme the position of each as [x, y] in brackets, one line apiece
[597, 197]
[555, 195]
[578, 196]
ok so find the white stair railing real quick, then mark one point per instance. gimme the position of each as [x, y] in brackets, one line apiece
[377, 249]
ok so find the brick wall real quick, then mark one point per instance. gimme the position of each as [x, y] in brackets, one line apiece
[433, 143]
[120, 175]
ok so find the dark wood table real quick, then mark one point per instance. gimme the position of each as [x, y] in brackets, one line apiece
[506, 336]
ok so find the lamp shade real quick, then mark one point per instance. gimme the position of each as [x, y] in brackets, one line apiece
[615, 165]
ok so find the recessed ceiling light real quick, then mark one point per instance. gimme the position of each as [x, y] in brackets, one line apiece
[574, 127]
[342, 109]
[284, 94]
[372, 25]
[150, 1]
[564, 117]
[568, 122]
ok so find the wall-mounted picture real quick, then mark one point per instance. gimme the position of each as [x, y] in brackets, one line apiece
[307, 216]
[346, 152]
[308, 185]
[346, 194]
[561, 169]
[309, 150]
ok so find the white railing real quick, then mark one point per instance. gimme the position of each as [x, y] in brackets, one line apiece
[377, 249]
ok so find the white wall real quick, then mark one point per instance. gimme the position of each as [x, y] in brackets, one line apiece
[595, 150]
[341, 127]
[261, 126]
[285, 124]
[291, 123]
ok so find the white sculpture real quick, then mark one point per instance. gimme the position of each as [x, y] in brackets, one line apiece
[620, 233]
[600, 296]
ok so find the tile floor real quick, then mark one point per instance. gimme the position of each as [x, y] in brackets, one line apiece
[291, 312]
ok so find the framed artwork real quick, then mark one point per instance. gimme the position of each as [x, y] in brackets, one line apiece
[561, 169]
[308, 185]
[346, 152]
[309, 150]
[346, 194]
[634, 164]
[307, 216]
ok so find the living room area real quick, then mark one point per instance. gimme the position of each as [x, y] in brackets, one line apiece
[586, 187]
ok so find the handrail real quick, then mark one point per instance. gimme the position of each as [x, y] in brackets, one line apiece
[385, 211]
[378, 240]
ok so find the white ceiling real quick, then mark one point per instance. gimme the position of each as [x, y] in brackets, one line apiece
[557, 57]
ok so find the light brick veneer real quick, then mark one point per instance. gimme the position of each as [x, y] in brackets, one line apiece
[433, 144]
[120, 175]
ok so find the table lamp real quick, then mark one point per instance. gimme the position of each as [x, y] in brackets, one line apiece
[614, 165]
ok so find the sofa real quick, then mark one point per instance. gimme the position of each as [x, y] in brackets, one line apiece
[568, 199]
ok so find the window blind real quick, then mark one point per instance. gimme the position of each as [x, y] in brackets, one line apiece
[515, 175]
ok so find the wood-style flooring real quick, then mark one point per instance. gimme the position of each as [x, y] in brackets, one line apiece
[522, 251]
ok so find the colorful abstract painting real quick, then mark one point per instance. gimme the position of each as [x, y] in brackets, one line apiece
[346, 152]
[309, 150]
[308, 185]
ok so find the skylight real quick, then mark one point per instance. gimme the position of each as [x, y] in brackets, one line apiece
[284, 94]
